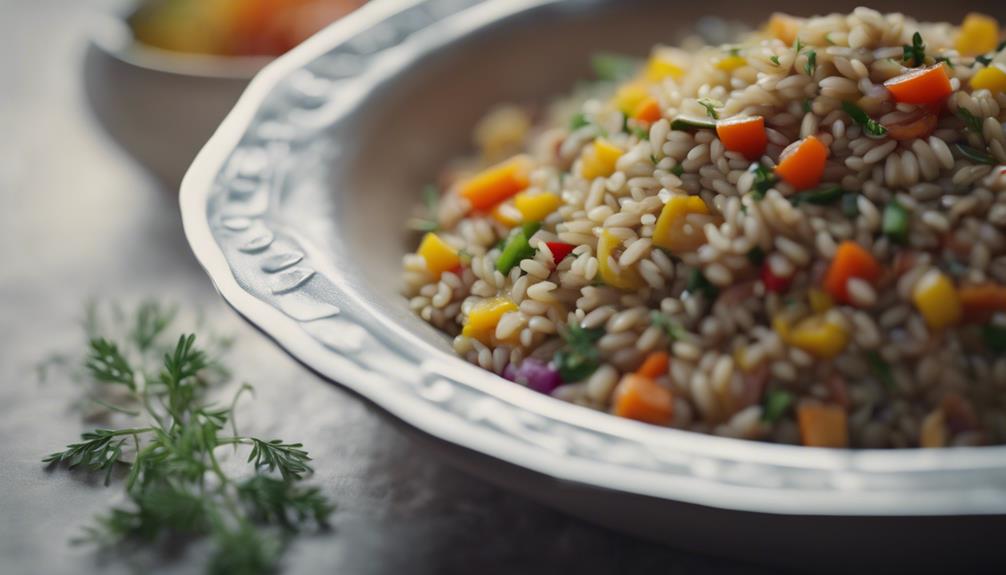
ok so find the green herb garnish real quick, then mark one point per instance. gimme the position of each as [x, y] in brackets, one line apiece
[944, 60]
[641, 133]
[678, 170]
[612, 67]
[798, 45]
[756, 256]
[819, 197]
[971, 122]
[688, 123]
[579, 358]
[777, 402]
[674, 330]
[578, 121]
[850, 205]
[763, 182]
[710, 105]
[811, 66]
[774, 60]
[983, 60]
[698, 284]
[994, 337]
[881, 369]
[175, 487]
[914, 55]
[974, 155]
[895, 222]
[870, 126]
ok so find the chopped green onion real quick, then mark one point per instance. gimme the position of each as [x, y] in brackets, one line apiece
[995, 337]
[820, 197]
[777, 402]
[870, 126]
[850, 205]
[678, 169]
[811, 66]
[710, 105]
[517, 248]
[691, 123]
[975, 155]
[881, 370]
[697, 283]
[916, 53]
[613, 67]
[578, 121]
[895, 222]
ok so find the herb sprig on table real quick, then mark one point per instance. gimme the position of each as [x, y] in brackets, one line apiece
[172, 448]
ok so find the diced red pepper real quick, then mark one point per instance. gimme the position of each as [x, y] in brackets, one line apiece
[774, 283]
[559, 250]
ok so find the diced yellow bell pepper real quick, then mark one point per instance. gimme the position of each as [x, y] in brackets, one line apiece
[439, 255]
[979, 34]
[671, 233]
[535, 208]
[502, 215]
[629, 96]
[937, 300]
[482, 319]
[599, 159]
[731, 63]
[992, 79]
[658, 68]
[818, 336]
[820, 301]
[626, 279]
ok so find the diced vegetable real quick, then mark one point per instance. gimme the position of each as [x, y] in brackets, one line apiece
[517, 248]
[881, 369]
[672, 231]
[933, 431]
[802, 163]
[920, 127]
[687, 123]
[929, 85]
[763, 181]
[711, 105]
[784, 27]
[640, 398]
[579, 358]
[439, 255]
[535, 374]
[698, 284]
[578, 121]
[482, 319]
[777, 402]
[658, 68]
[936, 298]
[851, 261]
[655, 365]
[818, 336]
[629, 96]
[626, 279]
[974, 155]
[498, 183]
[599, 159]
[819, 197]
[671, 327]
[979, 34]
[647, 111]
[772, 282]
[980, 301]
[895, 222]
[535, 208]
[822, 425]
[995, 337]
[745, 135]
[559, 250]
[819, 300]
[914, 54]
[870, 126]
[992, 79]
[730, 63]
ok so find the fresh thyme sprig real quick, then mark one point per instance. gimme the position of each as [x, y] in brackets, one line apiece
[175, 484]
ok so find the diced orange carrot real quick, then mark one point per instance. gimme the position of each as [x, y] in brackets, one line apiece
[783, 27]
[498, 183]
[851, 261]
[982, 300]
[642, 399]
[922, 86]
[647, 111]
[920, 127]
[802, 163]
[745, 134]
[655, 365]
[822, 425]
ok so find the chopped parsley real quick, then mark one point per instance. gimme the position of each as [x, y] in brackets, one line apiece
[881, 370]
[674, 330]
[641, 133]
[578, 121]
[811, 66]
[579, 358]
[777, 402]
[915, 55]
[775, 61]
[971, 122]
[870, 126]
[764, 180]
[895, 222]
[944, 60]
[983, 60]
[818, 197]
[697, 283]
[678, 170]
[710, 105]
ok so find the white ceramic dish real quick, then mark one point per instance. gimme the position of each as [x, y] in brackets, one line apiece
[296, 208]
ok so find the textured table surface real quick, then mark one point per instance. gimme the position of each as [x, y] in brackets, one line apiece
[79, 219]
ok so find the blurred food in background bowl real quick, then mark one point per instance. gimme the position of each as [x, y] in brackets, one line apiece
[160, 75]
